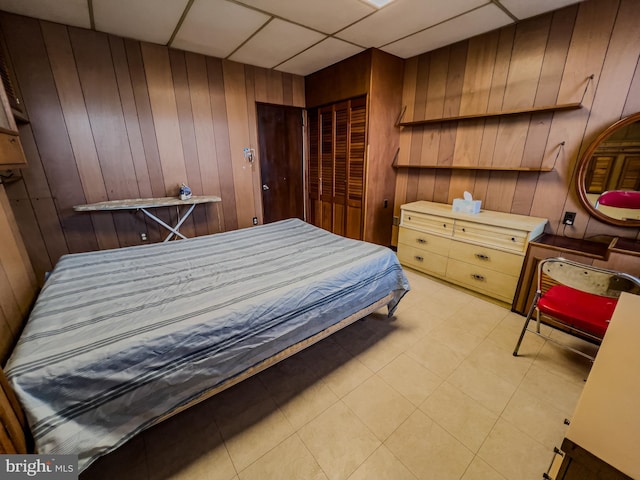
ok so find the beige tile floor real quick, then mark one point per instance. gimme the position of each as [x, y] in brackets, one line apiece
[432, 393]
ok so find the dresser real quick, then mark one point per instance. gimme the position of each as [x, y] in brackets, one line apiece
[483, 252]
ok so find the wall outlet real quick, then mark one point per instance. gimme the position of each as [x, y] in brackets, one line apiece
[143, 236]
[255, 220]
[569, 218]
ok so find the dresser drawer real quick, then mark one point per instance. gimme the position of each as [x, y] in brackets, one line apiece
[491, 235]
[483, 257]
[425, 241]
[422, 260]
[428, 223]
[490, 282]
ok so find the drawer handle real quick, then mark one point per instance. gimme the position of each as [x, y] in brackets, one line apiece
[482, 256]
[477, 277]
[421, 240]
[513, 239]
[409, 217]
[444, 225]
[463, 230]
[419, 258]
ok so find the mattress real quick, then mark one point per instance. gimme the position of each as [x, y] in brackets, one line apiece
[119, 338]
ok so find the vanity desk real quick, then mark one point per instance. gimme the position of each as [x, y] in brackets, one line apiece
[613, 253]
[603, 437]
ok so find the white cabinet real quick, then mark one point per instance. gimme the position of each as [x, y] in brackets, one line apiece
[483, 252]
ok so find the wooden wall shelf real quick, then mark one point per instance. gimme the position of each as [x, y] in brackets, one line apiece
[478, 167]
[521, 111]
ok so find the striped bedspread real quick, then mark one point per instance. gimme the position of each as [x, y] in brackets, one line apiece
[118, 338]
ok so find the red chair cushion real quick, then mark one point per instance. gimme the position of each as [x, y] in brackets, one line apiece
[585, 311]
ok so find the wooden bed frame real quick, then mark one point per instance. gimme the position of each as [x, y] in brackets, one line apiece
[14, 431]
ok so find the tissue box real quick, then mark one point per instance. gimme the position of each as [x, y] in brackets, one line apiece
[466, 206]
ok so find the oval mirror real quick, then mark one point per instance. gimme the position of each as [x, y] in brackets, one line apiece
[608, 179]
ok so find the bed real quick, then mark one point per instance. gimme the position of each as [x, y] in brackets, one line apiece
[119, 340]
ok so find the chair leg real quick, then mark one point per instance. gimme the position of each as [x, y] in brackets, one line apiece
[526, 323]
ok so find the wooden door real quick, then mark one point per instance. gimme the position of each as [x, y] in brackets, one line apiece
[280, 144]
[337, 146]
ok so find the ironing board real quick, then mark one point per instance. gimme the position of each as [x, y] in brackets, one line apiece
[144, 204]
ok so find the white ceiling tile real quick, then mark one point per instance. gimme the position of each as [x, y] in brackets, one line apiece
[122, 17]
[527, 8]
[217, 27]
[465, 26]
[323, 54]
[328, 16]
[275, 43]
[69, 12]
[404, 17]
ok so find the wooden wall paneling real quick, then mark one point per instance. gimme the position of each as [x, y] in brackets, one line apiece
[437, 82]
[134, 133]
[102, 99]
[632, 105]
[453, 95]
[131, 120]
[259, 82]
[546, 94]
[475, 98]
[346, 79]
[8, 301]
[165, 120]
[406, 134]
[14, 261]
[252, 115]
[165, 115]
[522, 82]
[187, 122]
[44, 209]
[30, 232]
[586, 55]
[496, 96]
[419, 106]
[525, 66]
[275, 93]
[298, 93]
[147, 130]
[205, 175]
[140, 88]
[385, 100]
[65, 75]
[217, 93]
[7, 337]
[287, 89]
[32, 69]
[243, 172]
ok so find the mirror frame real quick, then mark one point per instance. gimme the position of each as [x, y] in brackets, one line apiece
[583, 166]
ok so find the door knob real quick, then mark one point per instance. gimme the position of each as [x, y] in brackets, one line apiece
[265, 187]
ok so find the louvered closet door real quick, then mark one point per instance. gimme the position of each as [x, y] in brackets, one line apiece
[337, 144]
[357, 152]
[326, 167]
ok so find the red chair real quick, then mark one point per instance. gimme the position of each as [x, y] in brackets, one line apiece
[619, 199]
[576, 298]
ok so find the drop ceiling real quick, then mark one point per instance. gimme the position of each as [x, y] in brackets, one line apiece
[293, 36]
